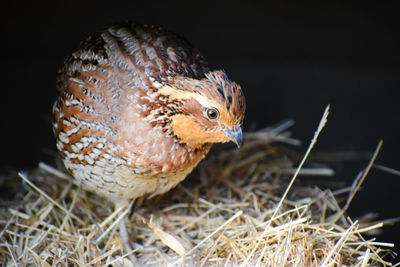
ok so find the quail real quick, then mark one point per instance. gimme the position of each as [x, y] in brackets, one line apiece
[138, 109]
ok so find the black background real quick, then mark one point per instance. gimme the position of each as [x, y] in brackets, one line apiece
[291, 59]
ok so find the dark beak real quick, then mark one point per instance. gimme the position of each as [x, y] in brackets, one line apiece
[235, 135]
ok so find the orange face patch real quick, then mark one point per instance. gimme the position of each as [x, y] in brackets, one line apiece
[190, 132]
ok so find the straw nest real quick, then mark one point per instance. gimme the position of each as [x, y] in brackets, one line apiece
[240, 207]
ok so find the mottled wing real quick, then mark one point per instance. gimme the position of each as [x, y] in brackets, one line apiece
[147, 50]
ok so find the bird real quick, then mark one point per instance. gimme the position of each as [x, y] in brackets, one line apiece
[138, 108]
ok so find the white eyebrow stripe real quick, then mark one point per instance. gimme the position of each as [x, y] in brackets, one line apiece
[179, 94]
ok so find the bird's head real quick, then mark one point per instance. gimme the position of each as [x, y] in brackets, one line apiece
[211, 110]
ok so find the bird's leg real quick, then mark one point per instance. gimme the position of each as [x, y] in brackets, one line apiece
[123, 231]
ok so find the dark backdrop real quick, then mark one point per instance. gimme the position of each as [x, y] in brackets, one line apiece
[291, 60]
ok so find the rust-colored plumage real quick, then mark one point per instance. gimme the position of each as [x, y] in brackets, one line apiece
[138, 110]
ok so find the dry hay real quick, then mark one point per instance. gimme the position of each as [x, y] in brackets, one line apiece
[235, 209]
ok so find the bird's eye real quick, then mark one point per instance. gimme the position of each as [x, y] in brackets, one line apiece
[212, 113]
